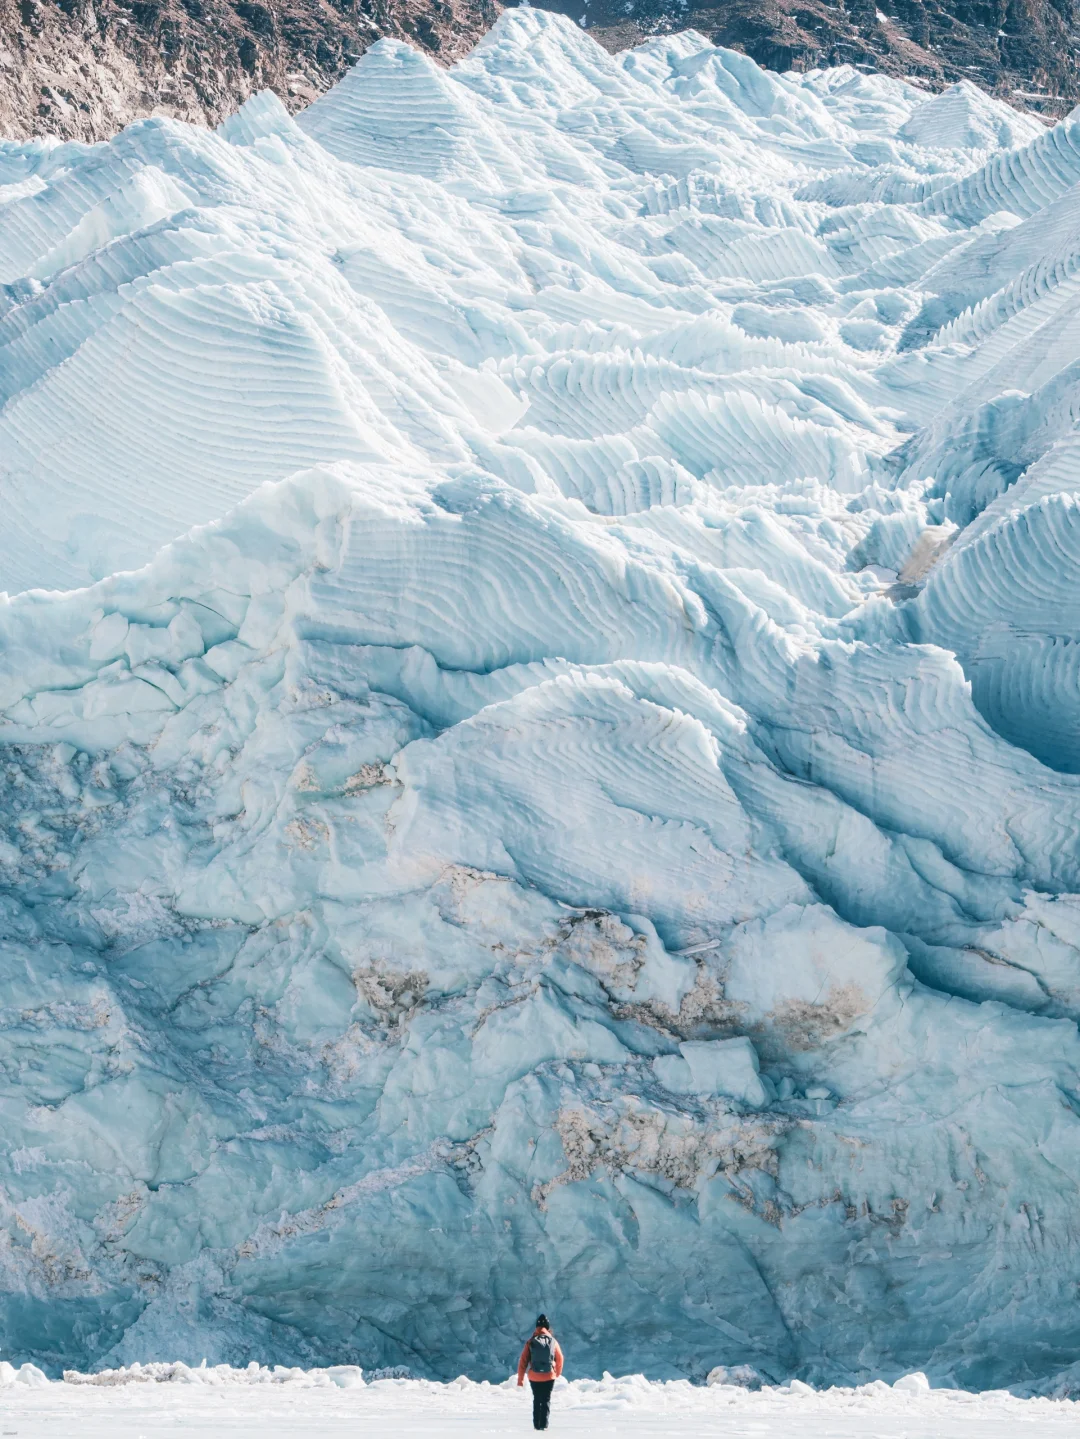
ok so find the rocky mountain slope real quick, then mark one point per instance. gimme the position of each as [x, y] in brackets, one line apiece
[81, 70]
[1023, 52]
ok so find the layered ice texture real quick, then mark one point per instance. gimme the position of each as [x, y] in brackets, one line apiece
[541, 730]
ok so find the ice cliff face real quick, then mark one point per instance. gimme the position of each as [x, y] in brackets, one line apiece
[539, 715]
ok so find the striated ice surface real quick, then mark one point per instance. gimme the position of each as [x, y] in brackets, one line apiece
[540, 704]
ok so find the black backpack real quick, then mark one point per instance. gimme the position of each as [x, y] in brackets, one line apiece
[542, 1354]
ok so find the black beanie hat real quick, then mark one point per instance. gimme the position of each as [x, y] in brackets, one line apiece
[542, 1322]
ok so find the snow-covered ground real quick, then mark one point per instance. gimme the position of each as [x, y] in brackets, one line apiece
[631, 1408]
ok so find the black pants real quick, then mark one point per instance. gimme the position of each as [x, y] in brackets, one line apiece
[541, 1389]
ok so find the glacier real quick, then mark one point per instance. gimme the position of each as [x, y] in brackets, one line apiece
[540, 726]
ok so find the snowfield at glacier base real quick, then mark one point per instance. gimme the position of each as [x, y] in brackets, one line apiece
[540, 721]
[206, 1403]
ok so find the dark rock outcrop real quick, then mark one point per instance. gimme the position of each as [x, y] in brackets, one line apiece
[82, 69]
[1024, 51]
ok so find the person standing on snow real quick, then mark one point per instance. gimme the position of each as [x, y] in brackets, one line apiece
[541, 1360]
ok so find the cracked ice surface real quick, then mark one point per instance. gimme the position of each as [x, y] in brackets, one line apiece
[539, 711]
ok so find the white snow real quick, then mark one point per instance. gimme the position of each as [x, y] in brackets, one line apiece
[209, 1404]
[539, 705]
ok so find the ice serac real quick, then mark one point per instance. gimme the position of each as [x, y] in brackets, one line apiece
[538, 694]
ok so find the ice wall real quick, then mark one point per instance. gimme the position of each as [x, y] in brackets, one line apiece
[538, 693]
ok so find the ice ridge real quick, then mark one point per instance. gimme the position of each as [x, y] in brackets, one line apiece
[538, 693]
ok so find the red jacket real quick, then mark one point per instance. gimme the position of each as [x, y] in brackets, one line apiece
[523, 1369]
